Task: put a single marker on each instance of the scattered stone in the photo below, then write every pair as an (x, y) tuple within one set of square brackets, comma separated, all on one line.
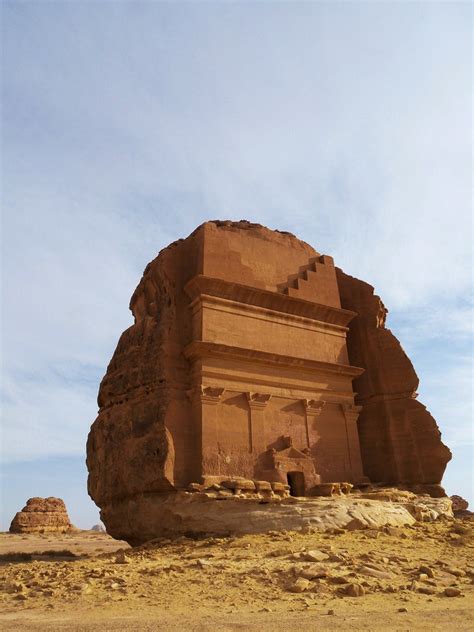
[(372, 572), (202, 563), (121, 558), (300, 585), (427, 590), (315, 556), (403, 610), (333, 557), (338, 579), (372, 533), (457, 572), (355, 590), (426, 570), (313, 572), (452, 592)]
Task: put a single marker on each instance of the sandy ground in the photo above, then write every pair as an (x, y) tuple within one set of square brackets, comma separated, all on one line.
[(245, 583)]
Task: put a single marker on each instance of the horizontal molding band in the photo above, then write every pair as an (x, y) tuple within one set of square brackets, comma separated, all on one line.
[(199, 349), (275, 301)]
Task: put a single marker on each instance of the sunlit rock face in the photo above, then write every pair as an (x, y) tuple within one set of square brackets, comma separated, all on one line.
[(257, 366), (42, 515)]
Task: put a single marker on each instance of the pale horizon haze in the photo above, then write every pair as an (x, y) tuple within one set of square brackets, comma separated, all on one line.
[(125, 125)]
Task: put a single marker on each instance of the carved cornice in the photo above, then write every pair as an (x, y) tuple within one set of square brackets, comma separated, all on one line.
[(248, 295), (199, 349)]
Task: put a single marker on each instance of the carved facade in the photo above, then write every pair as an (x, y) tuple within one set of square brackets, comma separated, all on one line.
[(269, 364)]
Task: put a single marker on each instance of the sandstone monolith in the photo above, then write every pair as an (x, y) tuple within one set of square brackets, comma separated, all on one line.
[(42, 515), (254, 369)]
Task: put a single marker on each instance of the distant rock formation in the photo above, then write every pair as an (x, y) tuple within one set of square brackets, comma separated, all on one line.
[(42, 515), (252, 356), (459, 504), (99, 528)]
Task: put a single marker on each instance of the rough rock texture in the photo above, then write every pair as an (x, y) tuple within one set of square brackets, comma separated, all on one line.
[(240, 363), (186, 513), (42, 515), (399, 439), (459, 504)]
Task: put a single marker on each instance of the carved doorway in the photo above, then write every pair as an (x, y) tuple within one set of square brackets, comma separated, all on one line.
[(296, 483)]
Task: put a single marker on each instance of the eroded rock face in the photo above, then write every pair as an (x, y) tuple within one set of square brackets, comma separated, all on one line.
[(459, 504), (253, 357), (400, 441), (184, 513), (42, 515)]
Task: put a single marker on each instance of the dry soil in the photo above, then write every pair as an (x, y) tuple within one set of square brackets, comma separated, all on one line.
[(385, 579)]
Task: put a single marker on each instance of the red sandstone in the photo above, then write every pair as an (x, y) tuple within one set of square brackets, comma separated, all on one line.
[(253, 356), (42, 515)]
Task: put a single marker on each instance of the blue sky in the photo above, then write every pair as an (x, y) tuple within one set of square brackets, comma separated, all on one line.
[(127, 124)]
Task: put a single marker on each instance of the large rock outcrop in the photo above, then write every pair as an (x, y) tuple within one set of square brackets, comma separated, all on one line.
[(240, 363), (42, 515), (399, 439)]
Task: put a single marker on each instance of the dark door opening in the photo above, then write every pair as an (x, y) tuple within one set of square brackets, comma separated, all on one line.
[(296, 483)]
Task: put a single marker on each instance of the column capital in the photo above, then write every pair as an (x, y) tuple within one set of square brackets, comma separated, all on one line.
[(351, 411), (313, 406), (257, 400), (206, 394)]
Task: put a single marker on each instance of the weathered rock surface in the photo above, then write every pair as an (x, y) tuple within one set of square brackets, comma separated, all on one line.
[(399, 439), (459, 504), (42, 515), (253, 358), (201, 513)]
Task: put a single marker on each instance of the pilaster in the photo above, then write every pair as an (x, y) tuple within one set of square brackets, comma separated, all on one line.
[(313, 408), (351, 414), (257, 403)]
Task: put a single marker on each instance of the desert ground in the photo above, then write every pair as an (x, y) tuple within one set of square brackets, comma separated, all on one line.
[(409, 578)]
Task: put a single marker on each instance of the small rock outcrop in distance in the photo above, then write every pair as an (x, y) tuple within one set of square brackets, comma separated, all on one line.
[(42, 515), (99, 528), (459, 504), (255, 365)]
